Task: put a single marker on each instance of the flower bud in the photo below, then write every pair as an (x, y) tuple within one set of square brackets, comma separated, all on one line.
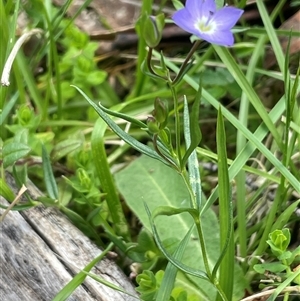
[(160, 111), (153, 125), (152, 29)]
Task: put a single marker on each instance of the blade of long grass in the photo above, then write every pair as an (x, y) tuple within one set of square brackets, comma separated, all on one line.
[(241, 79), (226, 278), (106, 180), (8, 108), (253, 138), (80, 277), (240, 143), (109, 284), (265, 16), (30, 82), (49, 178), (285, 284), (168, 281), (53, 64)]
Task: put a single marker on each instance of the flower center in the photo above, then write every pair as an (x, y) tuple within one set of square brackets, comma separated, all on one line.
[(204, 25)]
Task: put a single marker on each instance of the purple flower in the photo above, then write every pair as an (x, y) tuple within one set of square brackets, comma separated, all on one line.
[(201, 18)]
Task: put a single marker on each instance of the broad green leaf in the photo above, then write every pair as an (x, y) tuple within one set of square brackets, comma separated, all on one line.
[(147, 180), (274, 267), (14, 151), (65, 147)]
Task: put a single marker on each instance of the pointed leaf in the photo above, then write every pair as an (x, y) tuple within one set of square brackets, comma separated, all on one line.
[(122, 134), (49, 178)]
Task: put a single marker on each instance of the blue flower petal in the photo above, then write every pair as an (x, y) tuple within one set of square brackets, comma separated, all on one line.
[(226, 17), (222, 38), (195, 8), (184, 20), (208, 8), (200, 17)]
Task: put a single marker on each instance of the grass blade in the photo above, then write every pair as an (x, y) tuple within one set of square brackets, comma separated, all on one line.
[(225, 215), (49, 178), (106, 180)]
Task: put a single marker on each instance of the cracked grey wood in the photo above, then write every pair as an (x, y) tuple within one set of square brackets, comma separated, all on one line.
[(30, 268)]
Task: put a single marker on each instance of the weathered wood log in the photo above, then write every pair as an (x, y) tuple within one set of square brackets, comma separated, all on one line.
[(41, 251)]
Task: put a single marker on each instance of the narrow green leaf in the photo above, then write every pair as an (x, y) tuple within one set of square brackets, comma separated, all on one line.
[(254, 138), (192, 131), (174, 261), (241, 79), (21, 207), (106, 180), (192, 135), (8, 107), (122, 134), (80, 277), (82, 224), (284, 284), (126, 117), (14, 151), (49, 178), (284, 217), (6, 191), (225, 215), (168, 281), (109, 284), (265, 16)]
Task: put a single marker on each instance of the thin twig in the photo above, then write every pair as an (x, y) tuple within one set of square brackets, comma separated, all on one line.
[(15, 201), (271, 291)]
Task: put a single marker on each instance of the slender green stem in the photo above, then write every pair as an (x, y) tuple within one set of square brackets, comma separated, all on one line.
[(140, 77), (149, 57), (185, 178), (177, 123), (198, 225), (155, 145), (183, 66), (149, 65), (220, 291), (286, 296), (203, 247)]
